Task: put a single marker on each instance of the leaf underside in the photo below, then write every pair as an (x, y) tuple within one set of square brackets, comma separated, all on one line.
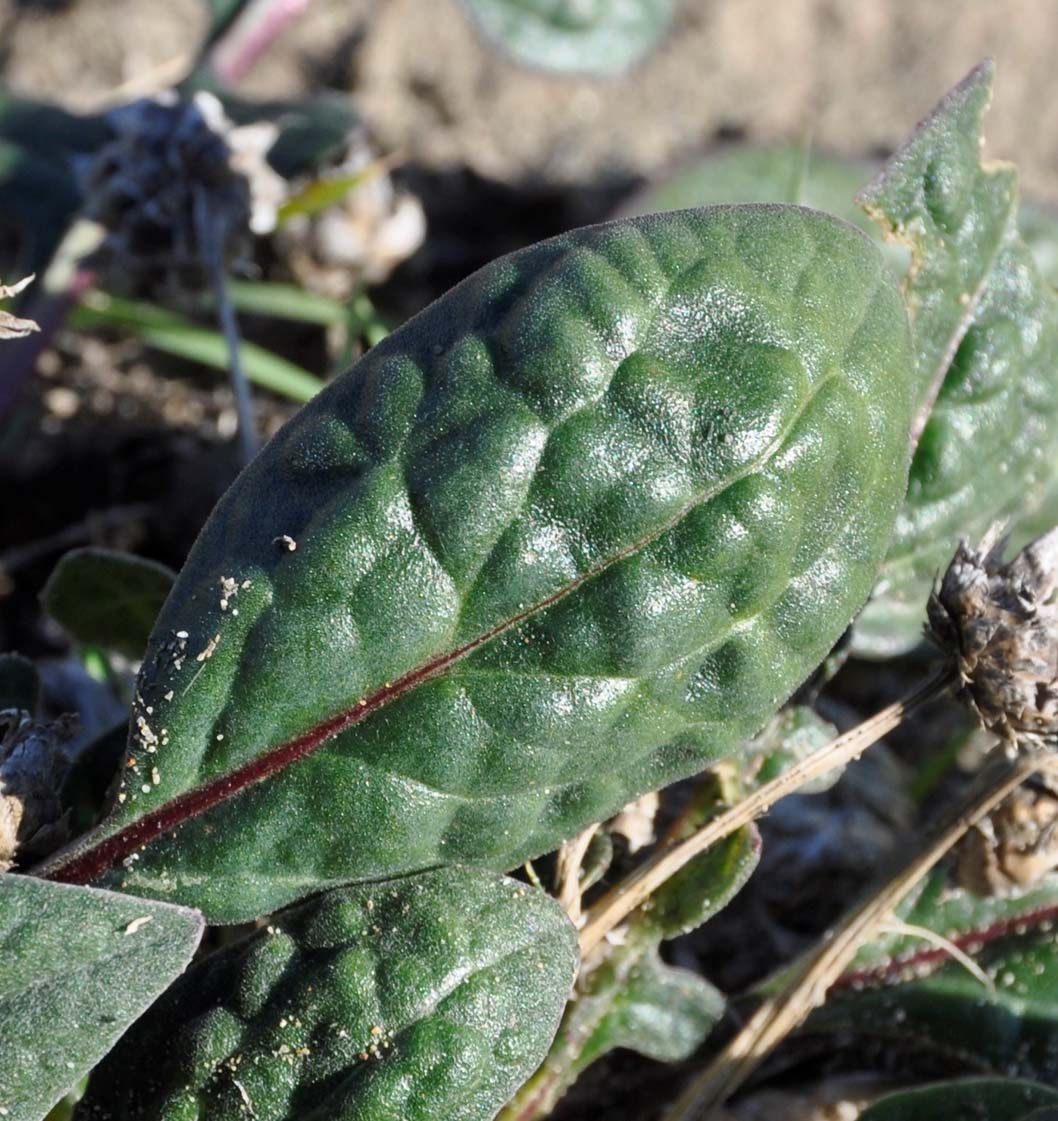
[(429, 997), (570, 534), (77, 966)]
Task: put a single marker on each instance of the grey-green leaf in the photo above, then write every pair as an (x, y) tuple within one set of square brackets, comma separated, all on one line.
[(595, 37), (572, 533), (77, 966), (109, 599), (423, 998), (970, 1099), (986, 337)]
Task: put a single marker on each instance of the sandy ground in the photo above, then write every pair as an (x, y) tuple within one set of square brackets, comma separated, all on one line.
[(858, 75)]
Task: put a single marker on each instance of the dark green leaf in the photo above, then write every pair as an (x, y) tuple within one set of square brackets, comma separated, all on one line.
[(109, 599), (39, 194), (19, 683), (570, 534), (951, 1012), (78, 966), (596, 37), (973, 1099), (986, 339), (426, 998)]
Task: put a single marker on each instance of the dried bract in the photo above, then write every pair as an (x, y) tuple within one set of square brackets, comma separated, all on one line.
[(999, 623), (360, 239), (32, 767), (1012, 848), (10, 326), (168, 159)]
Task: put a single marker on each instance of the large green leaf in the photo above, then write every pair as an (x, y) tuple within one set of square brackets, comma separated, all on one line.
[(572, 533), (986, 339), (596, 37), (968, 1100), (110, 599), (77, 966), (423, 998)]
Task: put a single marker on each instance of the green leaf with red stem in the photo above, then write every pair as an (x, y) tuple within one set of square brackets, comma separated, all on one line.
[(573, 532)]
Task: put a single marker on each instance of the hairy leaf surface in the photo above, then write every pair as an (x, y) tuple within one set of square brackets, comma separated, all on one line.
[(427, 997), (78, 966), (986, 338), (573, 532)]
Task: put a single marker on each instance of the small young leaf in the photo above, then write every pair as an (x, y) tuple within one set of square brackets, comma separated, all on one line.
[(79, 965), (103, 598), (568, 535), (661, 1011), (597, 37), (971, 1099), (424, 998), (986, 336)]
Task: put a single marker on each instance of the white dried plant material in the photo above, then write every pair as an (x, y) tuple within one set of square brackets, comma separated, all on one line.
[(999, 623), (636, 821), (360, 239), (11, 327), (168, 158), (1012, 848), (32, 767)]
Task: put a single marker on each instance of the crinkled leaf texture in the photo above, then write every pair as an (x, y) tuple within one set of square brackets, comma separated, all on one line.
[(427, 997), (570, 534), (998, 1099), (595, 37), (986, 338), (77, 966)]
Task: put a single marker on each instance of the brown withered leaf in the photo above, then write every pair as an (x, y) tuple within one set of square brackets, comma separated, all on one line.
[(999, 623), (12, 327)]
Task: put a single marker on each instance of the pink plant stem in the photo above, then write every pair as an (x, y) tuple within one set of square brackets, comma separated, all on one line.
[(255, 29)]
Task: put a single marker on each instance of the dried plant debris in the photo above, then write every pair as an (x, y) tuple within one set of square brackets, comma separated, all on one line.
[(362, 236), (999, 623), (12, 327), (32, 765), (1012, 848), (169, 157)]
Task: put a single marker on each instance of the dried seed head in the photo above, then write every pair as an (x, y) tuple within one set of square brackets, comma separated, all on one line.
[(168, 158), (10, 326), (999, 623), (32, 767), (1014, 847)]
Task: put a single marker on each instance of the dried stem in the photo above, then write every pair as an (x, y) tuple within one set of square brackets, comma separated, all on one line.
[(567, 872), (212, 237), (630, 893), (821, 966)]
